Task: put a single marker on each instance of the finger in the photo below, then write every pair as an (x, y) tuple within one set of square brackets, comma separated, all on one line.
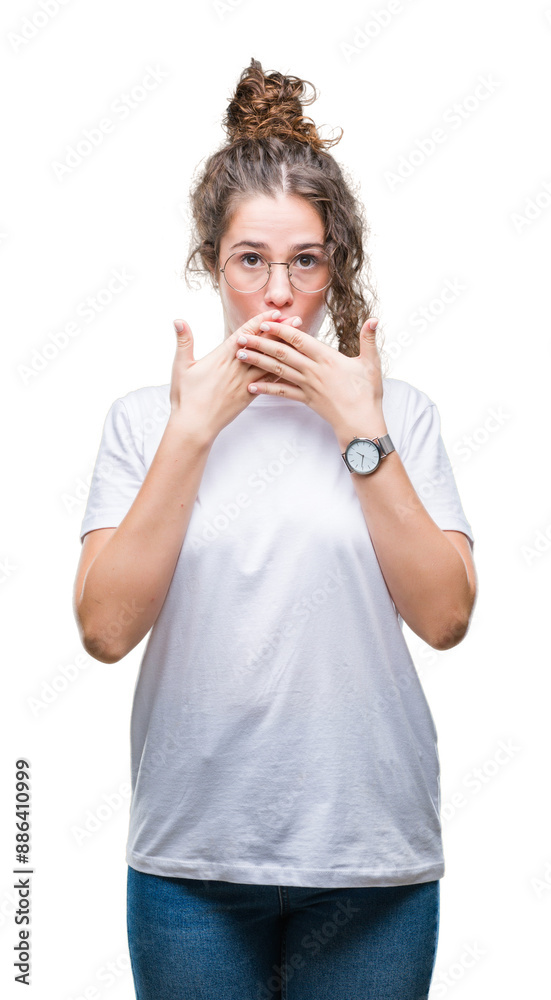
[(290, 362), (254, 372), (184, 345), (294, 321), (276, 387), (184, 336), (252, 325), (368, 330), (297, 340), (270, 367)]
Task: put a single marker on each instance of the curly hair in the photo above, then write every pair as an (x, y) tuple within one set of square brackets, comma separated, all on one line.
[(273, 148)]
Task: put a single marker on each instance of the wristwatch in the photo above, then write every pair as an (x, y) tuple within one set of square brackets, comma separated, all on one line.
[(363, 455)]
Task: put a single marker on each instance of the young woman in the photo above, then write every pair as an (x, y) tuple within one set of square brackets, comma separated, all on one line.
[(285, 836)]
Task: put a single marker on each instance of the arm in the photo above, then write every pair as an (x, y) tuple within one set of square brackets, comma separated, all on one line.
[(119, 595), (430, 575), (124, 573), (431, 581)]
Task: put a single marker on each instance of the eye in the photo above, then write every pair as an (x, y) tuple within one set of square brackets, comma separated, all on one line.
[(299, 261), (245, 259)]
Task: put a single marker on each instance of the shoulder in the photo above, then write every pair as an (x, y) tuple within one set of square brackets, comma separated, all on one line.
[(140, 418), (403, 403), (146, 402)]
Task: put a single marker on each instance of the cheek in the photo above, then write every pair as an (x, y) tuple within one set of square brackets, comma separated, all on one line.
[(312, 317)]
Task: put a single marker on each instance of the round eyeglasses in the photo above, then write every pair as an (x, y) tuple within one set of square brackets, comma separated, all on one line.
[(249, 271)]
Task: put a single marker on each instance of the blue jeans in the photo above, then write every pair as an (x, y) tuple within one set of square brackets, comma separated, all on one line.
[(191, 939)]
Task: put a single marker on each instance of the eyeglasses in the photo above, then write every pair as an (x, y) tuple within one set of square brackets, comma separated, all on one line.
[(249, 271)]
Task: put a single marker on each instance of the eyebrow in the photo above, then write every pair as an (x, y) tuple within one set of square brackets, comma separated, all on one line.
[(264, 246)]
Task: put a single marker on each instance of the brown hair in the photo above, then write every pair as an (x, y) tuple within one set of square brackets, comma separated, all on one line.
[(274, 148)]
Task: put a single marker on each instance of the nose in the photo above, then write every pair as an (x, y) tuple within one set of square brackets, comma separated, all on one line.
[(279, 290)]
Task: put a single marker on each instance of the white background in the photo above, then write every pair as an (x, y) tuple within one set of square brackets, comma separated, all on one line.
[(476, 213)]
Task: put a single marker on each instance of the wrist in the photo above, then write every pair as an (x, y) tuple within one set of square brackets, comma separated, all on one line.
[(365, 427), (184, 427)]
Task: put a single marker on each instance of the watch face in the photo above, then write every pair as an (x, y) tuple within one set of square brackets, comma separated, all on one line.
[(363, 456)]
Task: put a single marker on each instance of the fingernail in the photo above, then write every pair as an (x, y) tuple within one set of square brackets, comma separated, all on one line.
[(276, 313), (373, 323), (178, 325), (296, 321), (264, 326)]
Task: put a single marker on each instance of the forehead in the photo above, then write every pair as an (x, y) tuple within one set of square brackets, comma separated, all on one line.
[(285, 218)]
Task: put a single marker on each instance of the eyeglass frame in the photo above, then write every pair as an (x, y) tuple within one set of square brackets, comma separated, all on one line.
[(287, 265)]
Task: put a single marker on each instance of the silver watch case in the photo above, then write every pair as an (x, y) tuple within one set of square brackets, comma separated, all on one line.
[(372, 449)]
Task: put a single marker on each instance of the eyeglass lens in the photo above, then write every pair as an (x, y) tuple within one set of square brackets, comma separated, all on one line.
[(249, 271)]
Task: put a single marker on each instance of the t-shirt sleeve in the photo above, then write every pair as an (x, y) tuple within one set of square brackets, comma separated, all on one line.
[(118, 473), (427, 464)]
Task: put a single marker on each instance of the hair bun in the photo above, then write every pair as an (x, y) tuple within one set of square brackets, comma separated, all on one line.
[(271, 105)]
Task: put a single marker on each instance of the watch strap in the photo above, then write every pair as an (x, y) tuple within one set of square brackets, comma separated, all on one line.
[(384, 444)]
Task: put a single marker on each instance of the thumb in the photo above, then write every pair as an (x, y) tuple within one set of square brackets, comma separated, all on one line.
[(184, 336), (368, 333), (369, 328)]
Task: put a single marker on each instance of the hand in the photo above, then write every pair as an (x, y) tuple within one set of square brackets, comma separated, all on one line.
[(209, 393), (344, 391)]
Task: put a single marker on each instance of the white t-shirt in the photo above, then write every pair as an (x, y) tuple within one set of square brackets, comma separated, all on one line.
[(279, 733)]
